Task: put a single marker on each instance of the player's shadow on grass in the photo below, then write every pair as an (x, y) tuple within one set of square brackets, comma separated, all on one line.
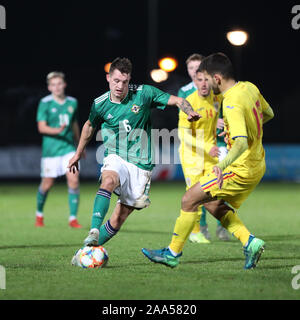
[(213, 260), (26, 246), (145, 231), (271, 267), (279, 237), (263, 266), (282, 265)]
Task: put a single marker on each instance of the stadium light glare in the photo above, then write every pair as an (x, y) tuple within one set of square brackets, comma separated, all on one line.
[(159, 75), (167, 64), (107, 67), (237, 37)]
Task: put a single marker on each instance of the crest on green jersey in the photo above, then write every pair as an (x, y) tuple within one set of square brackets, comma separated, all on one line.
[(70, 109), (135, 108)]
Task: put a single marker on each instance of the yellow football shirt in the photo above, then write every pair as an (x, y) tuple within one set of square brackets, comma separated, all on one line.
[(204, 129), (243, 107)]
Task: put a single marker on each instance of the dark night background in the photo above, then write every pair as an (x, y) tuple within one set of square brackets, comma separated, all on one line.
[(80, 37)]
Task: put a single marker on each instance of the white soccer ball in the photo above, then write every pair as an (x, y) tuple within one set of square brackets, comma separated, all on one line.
[(92, 257)]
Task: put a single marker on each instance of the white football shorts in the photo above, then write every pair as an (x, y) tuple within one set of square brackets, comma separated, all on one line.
[(134, 181), (53, 167)]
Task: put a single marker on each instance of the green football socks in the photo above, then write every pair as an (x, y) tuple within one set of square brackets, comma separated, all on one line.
[(41, 199), (203, 218), (106, 233), (101, 206), (73, 201)]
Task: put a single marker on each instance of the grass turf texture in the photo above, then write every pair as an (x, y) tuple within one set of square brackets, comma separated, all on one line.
[(37, 260)]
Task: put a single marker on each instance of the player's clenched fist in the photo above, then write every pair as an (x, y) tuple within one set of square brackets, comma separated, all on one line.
[(193, 116)]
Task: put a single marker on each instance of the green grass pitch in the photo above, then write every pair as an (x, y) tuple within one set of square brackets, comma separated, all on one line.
[(37, 260)]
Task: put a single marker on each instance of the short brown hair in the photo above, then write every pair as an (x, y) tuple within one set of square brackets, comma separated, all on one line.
[(55, 74), (122, 64), (194, 57), (218, 63)]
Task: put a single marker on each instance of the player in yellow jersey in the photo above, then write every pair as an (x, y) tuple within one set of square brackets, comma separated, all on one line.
[(232, 180), (193, 162), (198, 151)]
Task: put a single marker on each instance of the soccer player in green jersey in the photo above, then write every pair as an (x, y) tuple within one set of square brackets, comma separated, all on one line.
[(200, 233), (124, 114), (57, 122), (192, 65)]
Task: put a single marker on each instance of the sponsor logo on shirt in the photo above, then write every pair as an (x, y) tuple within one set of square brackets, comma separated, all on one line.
[(53, 110), (109, 116), (135, 109)]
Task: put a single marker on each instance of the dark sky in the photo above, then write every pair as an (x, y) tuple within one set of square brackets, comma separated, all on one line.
[(79, 37)]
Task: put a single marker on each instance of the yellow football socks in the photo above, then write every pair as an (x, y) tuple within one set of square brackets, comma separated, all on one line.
[(196, 228), (183, 227), (235, 226)]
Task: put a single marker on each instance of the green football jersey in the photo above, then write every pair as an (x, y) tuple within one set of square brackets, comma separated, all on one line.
[(55, 115), (126, 126), (186, 90)]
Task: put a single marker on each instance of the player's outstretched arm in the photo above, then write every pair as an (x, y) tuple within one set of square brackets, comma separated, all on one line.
[(45, 129), (76, 135), (76, 131), (185, 106), (86, 135), (240, 146)]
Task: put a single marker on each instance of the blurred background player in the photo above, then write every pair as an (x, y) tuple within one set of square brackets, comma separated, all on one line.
[(123, 112), (233, 179), (192, 65), (57, 122), (202, 99)]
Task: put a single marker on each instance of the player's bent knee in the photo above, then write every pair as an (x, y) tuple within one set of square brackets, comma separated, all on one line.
[(194, 197), (217, 208), (109, 182), (188, 203)]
